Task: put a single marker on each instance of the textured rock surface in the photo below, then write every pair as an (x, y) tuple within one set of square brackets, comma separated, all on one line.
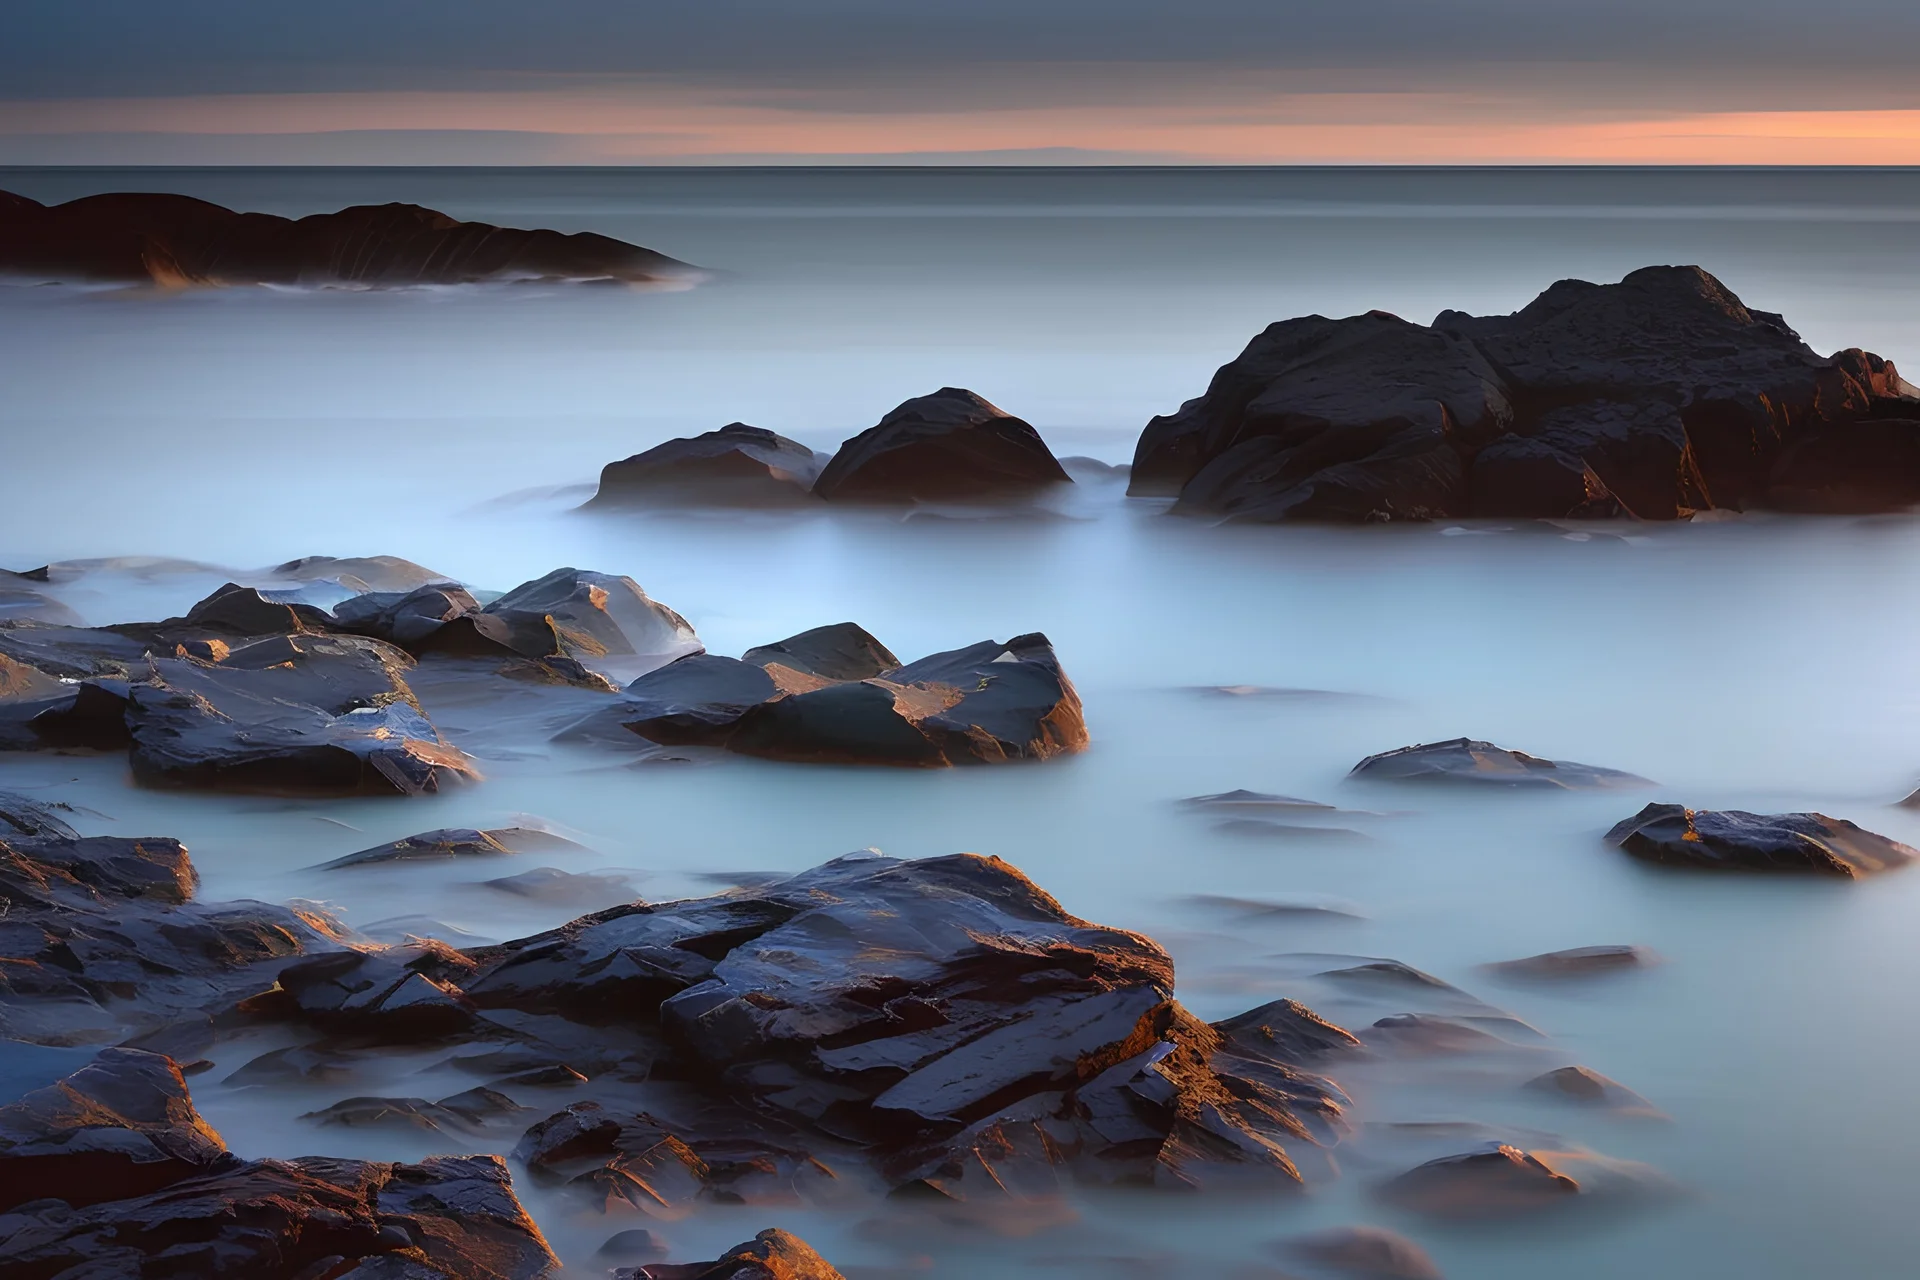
[(951, 446), (1734, 840), (737, 465), (1464, 760), (1655, 397), (453, 842), (1496, 1182), (173, 240), (571, 613), (771, 1255)]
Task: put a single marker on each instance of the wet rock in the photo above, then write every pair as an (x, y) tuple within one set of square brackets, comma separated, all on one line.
[(632, 1245), (1420, 1034), (453, 842), (124, 1125), (451, 1217), (951, 446), (737, 465), (697, 700), (1588, 1088), (42, 713), (234, 610), (838, 651), (23, 816), (1734, 840), (1655, 397), (73, 653), (1288, 1031), (570, 613), (987, 703), (414, 928), (463, 1113), (296, 1064), (1499, 1181), (771, 1255), (360, 573), (1364, 1253), (329, 715), (175, 241), (565, 888), (387, 996), (1464, 760), (1575, 962), (406, 618)]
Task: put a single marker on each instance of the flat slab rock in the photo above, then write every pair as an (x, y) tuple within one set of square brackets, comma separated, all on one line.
[(1734, 840), (1466, 760)]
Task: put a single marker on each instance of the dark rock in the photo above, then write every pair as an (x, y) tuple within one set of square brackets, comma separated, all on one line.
[(697, 700), (1589, 1088), (1286, 1030), (771, 1255), (392, 1113), (570, 888), (22, 816), (361, 573), (292, 714), (1733, 840), (446, 1218), (737, 465), (174, 240), (627, 1246), (235, 610), (1654, 397), (72, 652), (1420, 1034), (296, 1064), (1256, 801), (389, 996), (21, 601), (839, 651), (480, 1105), (1575, 962), (406, 618), (1256, 908), (987, 703), (121, 1126), (1499, 1181), (1365, 1253), (1463, 760), (945, 447), (570, 613), (453, 842), (47, 714), (416, 928), (1083, 468), (553, 1077)]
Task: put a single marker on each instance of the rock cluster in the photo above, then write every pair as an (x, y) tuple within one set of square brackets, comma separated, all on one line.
[(178, 241), (1654, 398)]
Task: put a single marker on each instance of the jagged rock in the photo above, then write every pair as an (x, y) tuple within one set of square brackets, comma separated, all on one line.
[(948, 446), (446, 1218), (388, 996), (1575, 962), (1654, 397), (1286, 1030), (22, 816), (175, 241), (771, 1255), (1499, 1181), (1734, 840), (1463, 760), (101, 939), (463, 1113), (838, 651), (1589, 1088), (124, 1125), (294, 713), (1364, 1253), (737, 465), (40, 713), (235, 610), (987, 703), (569, 613), (406, 618), (453, 842), (74, 653)]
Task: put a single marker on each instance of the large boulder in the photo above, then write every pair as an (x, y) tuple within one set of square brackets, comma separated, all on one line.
[(299, 714), (1467, 761), (1655, 397), (951, 446), (737, 465), (175, 241), (1733, 840)]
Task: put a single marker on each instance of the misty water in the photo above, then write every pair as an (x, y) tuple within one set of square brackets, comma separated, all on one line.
[(1751, 662)]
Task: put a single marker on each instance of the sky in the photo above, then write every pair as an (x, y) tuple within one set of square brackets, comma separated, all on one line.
[(959, 81)]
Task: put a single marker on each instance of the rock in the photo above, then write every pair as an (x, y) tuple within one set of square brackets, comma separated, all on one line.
[(1575, 962), (451, 1217), (737, 465), (627, 1246), (21, 816), (22, 601), (1589, 1088), (1420, 1034), (697, 700), (839, 651), (406, 618), (771, 1255), (1085, 469), (331, 715), (1463, 760), (1258, 908), (175, 241), (570, 613), (1254, 801), (42, 713), (234, 610), (568, 888), (1267, 829), (453, 842), (124, 1125), (1734, 840), (1365, 1253), (1286, 1030), (72, 652), (951, 446), (399, 930), (361, 574), (392, 995), (987, 703), (1655, 397), (463, 1113), (1497, 1182), (296, 1064)]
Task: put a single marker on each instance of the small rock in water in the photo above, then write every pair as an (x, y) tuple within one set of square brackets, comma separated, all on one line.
[(1258, 907), (1575, 962), (1464, 760), (951, 446), (1364, 1253), (1497, 1182), (632, 1245), (736, 466), (452, 842), (571, 888), (1262, 827), (1256, 801), (1589, 1088), (1733, 840)]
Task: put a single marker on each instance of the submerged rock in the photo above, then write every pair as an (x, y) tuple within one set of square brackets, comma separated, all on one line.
[(570, 613), (1464, 760), (1575, 962), (21, 816), (1656, 397), (951, 446), (1500, 1181), (1364, 1253), (771, 1255), (453, 842), (175, 241), (737, 465), (1734, 840), (1588, 1088)]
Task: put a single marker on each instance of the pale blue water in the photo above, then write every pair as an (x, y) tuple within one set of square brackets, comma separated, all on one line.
[(1758, 663)]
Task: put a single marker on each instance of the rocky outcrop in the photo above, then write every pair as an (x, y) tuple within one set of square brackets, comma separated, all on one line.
[(1466, 761), (951, 446), (771, 1255), (1734, 840), (176, 241), (737, 465), (837, 695), (1655, 397)]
